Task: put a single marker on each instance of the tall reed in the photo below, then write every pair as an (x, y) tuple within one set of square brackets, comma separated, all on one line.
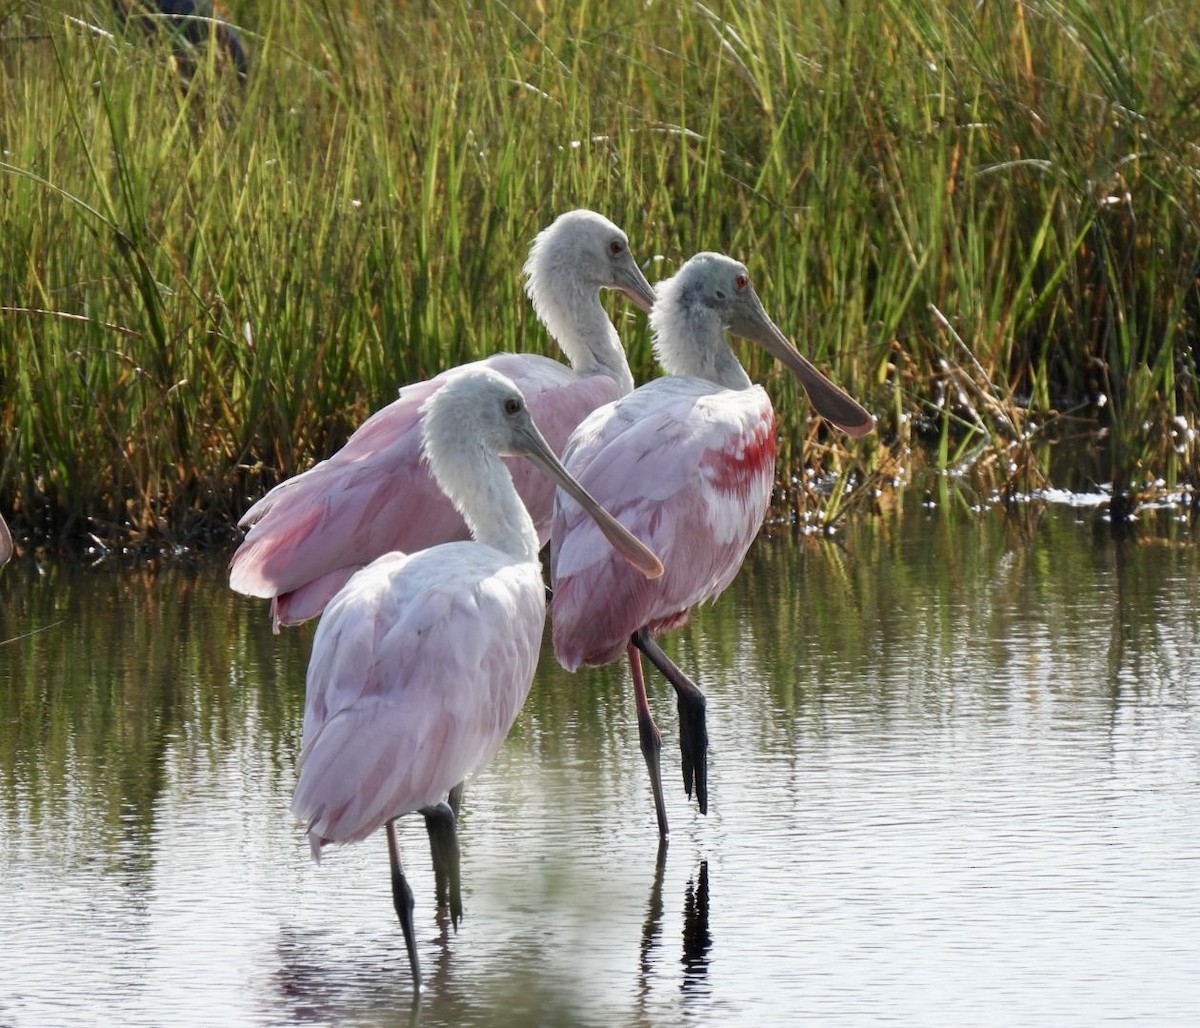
[(982, 219)]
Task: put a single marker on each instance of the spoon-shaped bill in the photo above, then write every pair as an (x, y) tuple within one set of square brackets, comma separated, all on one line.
[(830, 401), (6, 543), (529, 443)]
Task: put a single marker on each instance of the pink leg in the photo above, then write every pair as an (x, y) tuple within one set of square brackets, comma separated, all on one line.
[(402, 897), (649, 737), (693, 728)]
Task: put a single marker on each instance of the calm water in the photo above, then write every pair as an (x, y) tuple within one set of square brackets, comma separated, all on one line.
[(955, 779)]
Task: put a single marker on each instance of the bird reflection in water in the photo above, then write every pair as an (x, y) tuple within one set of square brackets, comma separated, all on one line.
[(697, 939), (652, 926), (326, 979)]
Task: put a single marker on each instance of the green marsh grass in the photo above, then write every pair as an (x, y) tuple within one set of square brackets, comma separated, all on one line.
[(981, 219)]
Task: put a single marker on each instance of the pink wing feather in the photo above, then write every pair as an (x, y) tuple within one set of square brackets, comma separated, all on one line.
[(308, 535), (688, 469), (419, 669)]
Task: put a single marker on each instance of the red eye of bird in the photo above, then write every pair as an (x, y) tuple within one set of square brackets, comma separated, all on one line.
[(615, 247), (741, 282), (511, 406)]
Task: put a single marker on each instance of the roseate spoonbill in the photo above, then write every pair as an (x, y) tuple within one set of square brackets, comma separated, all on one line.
[(687, 463), (422, 661), (308, 535)]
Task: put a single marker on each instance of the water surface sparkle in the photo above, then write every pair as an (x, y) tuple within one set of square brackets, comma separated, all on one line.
[(955, 779)]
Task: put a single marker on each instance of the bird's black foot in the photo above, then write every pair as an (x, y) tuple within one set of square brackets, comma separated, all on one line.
[(693, 721), (441, 825), (693, 745)]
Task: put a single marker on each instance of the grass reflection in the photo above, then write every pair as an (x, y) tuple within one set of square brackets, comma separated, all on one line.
[(932, 611), (137, 671), (120, 685)]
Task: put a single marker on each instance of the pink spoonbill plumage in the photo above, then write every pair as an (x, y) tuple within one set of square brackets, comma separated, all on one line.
[(308, 535), (687, 463), (6, 543), (421, 663)]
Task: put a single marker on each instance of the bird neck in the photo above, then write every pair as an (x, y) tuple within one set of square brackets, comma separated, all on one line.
[(507, 525), (482, 491), (578, 322), (690, 340)]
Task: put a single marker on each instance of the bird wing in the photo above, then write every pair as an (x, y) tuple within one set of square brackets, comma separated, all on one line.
[(419, 668), (375, 495), (688, 469)]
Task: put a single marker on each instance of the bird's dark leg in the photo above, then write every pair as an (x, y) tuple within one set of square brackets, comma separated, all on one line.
[(402, 897), (693, 729), (441, 824), (455, 798), (650, 739)]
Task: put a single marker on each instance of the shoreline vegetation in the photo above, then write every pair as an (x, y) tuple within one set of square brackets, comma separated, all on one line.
[(982, 220)]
